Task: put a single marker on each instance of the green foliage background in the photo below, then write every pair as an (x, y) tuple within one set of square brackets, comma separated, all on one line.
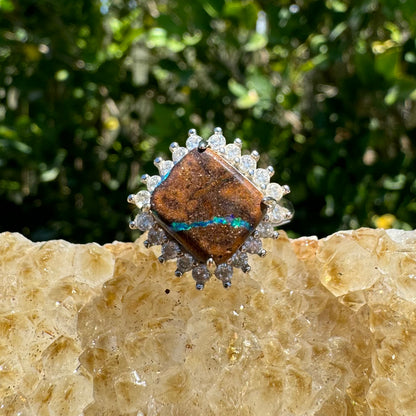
[(91, 92)]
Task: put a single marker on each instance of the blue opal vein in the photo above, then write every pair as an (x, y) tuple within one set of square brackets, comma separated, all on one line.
[(230, 220)]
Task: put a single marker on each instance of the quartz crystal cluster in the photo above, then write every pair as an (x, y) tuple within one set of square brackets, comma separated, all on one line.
[(210, 206), (318, 328)]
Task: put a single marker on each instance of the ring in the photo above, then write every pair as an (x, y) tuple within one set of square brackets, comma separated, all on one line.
[(209, 207)]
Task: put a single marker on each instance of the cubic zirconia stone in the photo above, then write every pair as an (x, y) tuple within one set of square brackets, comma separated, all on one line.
[(265, 230), (170, 250), (201, 275), (179, 153), (261, 177), (156, 236), (144, 221), (141, 199), (185, 263), (193, 141), (247, 163), (252, 245), (232, 152), (165, 167), (239, 259), (153, 182), (275, 191), (277, 214), (216, 141), (224, 272)]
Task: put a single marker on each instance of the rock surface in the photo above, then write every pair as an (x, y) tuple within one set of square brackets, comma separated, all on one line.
[(317, 328)]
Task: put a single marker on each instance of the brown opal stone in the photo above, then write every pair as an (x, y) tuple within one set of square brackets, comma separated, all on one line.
[(207, 206)]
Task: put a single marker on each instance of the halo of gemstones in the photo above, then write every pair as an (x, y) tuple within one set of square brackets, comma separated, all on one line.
[(278, 210)]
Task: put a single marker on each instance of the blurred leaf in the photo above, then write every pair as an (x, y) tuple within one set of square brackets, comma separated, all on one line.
[(10, 145), (236, 88), (336, 5), (256, 42), (248, 100), (6, 5), (245, 12), (49, 175), (157, 37), (387, 62)]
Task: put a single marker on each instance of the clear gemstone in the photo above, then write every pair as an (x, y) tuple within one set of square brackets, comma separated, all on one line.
[(275, 191), (144, 221), (277, 214), (239, 259), (216, 141), (265, 230), (224, 272), (156, 236), (142, 198), (170, 250), (252, 245), (261, 177), (200, 274), (193, 141), (185, 263), (247, 163), (152, 182), (178, 154), (232, 152), (165, 167), (281, 213)]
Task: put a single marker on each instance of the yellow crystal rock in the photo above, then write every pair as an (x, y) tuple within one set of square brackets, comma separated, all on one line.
[(320, 328)]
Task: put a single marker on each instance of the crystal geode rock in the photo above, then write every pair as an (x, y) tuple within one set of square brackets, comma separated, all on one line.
[(317, 328)]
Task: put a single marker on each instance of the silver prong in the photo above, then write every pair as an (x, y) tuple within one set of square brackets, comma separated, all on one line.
[(286, 189), (191, 132), (251, 172), (144, 178), (157, 161), (262, 252), (238, 142), (199, 286), (270, 169), (161, 259), (255, 155), (237, 161), (211, 265), (218, 130), (147, 244), (202, 145), (226, 284), (132, 225), (256, 234), (178, 273), (173, 146), (130, 199), (246, 268), (275, 235)]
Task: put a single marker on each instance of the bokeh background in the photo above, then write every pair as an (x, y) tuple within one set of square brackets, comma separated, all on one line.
[(92, 91)]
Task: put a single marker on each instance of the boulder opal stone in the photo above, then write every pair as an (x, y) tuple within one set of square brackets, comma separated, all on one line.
[(207, 206)]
